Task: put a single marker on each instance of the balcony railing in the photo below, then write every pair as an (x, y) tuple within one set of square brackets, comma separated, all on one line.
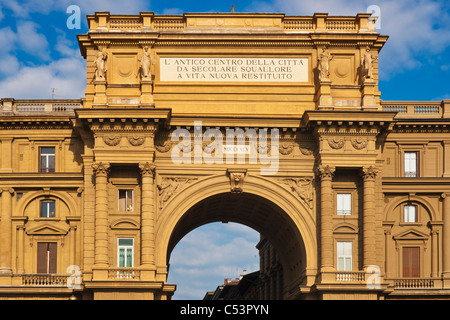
[(414, 283), (125, 274), (416, 109), (35, 106), (44, 280), (351, 276)]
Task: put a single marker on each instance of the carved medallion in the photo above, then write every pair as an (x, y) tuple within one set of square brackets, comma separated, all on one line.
[(286, 147)]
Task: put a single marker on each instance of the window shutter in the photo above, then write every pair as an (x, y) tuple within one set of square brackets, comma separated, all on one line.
[(42, 257), (411, 267)]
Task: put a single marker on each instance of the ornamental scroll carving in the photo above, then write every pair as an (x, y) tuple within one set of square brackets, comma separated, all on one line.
[(302, 187), (336, 143), (170, 186)]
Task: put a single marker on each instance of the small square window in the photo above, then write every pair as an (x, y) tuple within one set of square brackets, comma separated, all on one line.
[(410, 213), (47, 209), (344, 204), (126, 200)]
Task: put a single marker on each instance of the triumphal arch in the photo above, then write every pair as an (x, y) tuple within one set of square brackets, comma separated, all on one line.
[(268, 120)]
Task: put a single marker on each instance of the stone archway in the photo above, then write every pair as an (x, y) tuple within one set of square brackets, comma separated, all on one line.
[(263, 205)]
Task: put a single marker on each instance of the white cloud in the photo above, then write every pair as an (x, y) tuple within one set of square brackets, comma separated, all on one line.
[(66, 75), (31, 41)]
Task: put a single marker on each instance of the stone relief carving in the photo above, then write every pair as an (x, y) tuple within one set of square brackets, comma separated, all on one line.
[(359, 143), (336, 143), (302, 187), (170, 186), (136, 141), (162, 142), (286, 147), (111, 140), (236, 179), (307, 148)]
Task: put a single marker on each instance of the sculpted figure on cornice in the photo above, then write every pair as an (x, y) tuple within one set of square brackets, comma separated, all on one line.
[(324, 65), (100, 66), (146, 64)]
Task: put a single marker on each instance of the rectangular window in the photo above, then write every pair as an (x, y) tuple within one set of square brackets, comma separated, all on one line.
[(344, 204), (47, 209), (46, 159), (46, 257), (411, 262), (410, 213), (125, 252), (411, 164), (126, 200), (344, 256)]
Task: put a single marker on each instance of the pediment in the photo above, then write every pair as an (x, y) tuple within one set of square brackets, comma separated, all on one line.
[(46, 230), (125, 224), (411, 234)]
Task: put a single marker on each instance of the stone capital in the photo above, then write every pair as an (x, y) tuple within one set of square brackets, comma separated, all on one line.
[(101, 168), (325, 172), (147, 168), (369, 173)]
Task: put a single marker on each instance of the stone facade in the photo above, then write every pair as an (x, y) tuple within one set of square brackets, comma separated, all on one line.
[(351, 192)]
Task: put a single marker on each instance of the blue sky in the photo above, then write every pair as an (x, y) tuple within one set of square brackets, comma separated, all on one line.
[(38, 53)]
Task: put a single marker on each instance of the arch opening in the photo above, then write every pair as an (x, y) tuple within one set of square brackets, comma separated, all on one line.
[(258, 213)]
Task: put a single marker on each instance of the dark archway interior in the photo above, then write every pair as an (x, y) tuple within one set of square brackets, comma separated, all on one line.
[(257, 213)]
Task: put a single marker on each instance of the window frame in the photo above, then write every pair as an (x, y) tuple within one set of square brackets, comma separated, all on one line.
[(48, 215), (343, 212), (416, 213), (47, 169), (126, 200), (125, 247), (408, 174), (344, 256)]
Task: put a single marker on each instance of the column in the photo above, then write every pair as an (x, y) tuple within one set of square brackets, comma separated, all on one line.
[(369, 232), (446, 240), (5, 232), (101, 171), (147, 215), (325, 174), (434, 253)]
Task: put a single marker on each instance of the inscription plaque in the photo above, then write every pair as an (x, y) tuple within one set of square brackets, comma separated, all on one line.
[(234, 69)]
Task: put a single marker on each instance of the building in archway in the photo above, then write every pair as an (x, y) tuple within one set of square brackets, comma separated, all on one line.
[(267, 120)]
